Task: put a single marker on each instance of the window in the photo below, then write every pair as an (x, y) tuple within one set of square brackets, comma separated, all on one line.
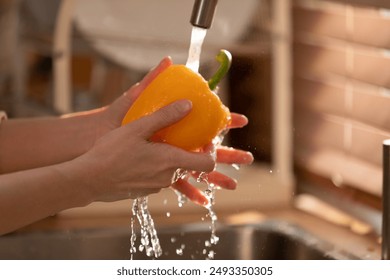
[(341, 53)]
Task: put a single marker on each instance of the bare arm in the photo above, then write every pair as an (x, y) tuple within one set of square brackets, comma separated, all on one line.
[(122, 164), (28, 196), (59, 163), (31, 143)]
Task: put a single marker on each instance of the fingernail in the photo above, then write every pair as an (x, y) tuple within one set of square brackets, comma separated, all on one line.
[(232, 185), (248, 157), (203, 201), (166, 60), (184, 105)]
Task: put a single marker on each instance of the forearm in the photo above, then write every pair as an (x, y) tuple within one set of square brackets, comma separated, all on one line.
[(28, 196), (37, 142)]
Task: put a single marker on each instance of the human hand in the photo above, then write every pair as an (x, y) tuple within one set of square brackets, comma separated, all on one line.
[(110, 117), (125, 164), (224, 155)]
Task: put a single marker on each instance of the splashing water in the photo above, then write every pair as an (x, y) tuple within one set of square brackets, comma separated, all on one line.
[(211, 255), (211, 213), (197, 38), (133, 238), (210, 195), (148, 238), (181, 174), (236, 166), (180, 251)]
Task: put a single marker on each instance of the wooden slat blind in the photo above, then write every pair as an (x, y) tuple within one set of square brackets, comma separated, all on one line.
[(341, 53)]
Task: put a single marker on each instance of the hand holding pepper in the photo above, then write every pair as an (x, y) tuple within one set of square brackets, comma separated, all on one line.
[(224, 154)]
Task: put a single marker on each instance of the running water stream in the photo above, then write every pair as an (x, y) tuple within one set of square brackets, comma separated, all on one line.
[(148, 238), (197, 38)]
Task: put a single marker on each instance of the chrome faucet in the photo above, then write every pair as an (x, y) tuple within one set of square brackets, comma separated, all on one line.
[(203, 13), (386, 201)]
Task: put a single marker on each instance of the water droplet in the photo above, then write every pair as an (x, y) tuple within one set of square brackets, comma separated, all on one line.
[(149, 252), (214, 239), (173, 239), (236, 166), (168, 214), (202, 178), (211, 255), (179, 252), (181, 199)]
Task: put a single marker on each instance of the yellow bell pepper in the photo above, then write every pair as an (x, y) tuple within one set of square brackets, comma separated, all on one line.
[(206, 120)]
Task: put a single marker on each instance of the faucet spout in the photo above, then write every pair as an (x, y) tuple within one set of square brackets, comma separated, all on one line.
[(203, 13), (386, 201)]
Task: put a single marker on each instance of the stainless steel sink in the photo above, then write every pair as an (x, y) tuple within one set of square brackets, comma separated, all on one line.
[(274, 240)]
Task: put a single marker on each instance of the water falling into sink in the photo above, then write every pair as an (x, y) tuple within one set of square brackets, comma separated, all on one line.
[(149, 239)]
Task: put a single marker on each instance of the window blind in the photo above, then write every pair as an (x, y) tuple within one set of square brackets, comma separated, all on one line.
[(341, 54)]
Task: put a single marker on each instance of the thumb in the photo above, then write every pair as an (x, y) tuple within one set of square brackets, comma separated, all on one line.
[(164, 117)]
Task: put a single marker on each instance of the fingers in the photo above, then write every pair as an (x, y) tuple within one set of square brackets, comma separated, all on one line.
[(238, 121), (164, 64), (196, 195), (135, 91), (191, 192), (174, 157), (201, 162), (233, 156), (166, 116), (219, 179), (123, 103)]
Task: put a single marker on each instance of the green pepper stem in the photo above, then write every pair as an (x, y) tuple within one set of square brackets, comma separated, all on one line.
[(225, 59)]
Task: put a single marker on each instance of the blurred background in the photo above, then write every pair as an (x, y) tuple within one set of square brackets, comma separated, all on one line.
[(111, 46), (312, 76)]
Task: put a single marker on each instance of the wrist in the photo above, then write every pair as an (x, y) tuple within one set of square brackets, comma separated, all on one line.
[(90, 126), (78, 181)]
